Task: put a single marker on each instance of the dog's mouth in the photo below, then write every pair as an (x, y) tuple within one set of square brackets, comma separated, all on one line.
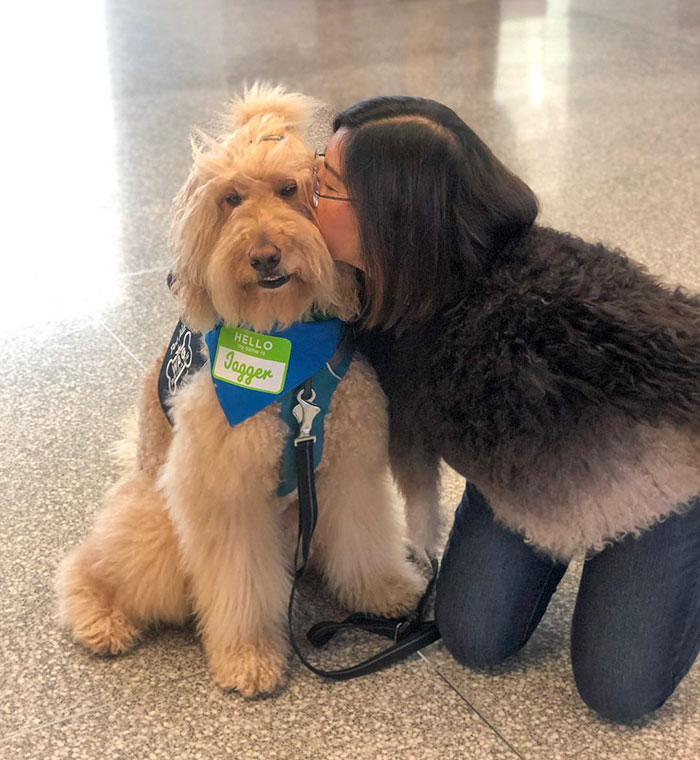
[(273, 281)]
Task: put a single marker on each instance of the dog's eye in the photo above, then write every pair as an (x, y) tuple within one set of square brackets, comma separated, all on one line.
[(288, 190), (234, 200)]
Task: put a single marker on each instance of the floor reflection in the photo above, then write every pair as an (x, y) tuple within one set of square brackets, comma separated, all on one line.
[(62, 246)]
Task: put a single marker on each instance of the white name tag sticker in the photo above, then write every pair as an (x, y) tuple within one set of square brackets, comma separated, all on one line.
[(251, 360)]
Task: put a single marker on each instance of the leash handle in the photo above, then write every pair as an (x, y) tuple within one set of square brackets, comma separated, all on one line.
[(420, 637)]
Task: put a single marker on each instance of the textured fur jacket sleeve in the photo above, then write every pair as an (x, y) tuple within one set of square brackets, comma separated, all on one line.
[(565, 384)]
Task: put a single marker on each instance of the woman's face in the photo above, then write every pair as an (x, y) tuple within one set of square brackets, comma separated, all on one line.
[(336, 218)]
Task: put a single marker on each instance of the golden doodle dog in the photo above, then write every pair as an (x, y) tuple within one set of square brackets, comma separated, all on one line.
[(195, 525)]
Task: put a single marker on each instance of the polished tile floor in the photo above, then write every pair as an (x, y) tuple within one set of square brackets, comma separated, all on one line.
[(595, 103)]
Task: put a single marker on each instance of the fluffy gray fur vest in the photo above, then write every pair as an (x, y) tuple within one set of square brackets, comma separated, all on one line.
[(565, 384)]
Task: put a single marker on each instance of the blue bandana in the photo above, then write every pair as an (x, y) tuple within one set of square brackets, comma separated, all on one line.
[(251, 370)]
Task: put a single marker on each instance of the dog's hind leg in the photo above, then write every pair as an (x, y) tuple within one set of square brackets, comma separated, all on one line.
[(126, 574)]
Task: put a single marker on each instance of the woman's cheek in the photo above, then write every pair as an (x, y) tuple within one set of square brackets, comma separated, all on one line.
[(327, 228)]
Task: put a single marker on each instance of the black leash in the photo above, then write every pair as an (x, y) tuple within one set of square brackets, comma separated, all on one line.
[(409, 633)]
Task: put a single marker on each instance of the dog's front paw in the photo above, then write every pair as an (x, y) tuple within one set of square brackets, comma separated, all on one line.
[(250, 669), (389, 595)]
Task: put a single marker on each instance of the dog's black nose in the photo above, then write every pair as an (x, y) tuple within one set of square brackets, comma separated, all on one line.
[(265, 258)]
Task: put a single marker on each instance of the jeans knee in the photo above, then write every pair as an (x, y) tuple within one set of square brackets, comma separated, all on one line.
[(470, 644), (616, 698)]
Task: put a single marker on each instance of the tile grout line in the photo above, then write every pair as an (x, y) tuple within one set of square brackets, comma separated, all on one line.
[(124, 346), (81, 714), (65, 719), (471, 706)]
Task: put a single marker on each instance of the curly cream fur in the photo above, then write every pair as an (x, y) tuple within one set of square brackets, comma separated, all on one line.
[(194, 525)]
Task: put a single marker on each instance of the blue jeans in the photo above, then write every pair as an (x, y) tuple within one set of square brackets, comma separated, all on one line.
[(636, 625)]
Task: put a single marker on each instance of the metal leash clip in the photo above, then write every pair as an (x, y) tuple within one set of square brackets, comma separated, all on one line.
[(304, 413)]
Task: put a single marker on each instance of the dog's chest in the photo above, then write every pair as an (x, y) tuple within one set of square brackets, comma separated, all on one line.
[(249, 452)]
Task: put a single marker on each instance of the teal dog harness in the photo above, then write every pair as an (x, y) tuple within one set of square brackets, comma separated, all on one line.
[(323, 383)]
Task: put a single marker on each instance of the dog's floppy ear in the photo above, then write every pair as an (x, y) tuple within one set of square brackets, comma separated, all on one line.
[(194, 228), (293, 109)]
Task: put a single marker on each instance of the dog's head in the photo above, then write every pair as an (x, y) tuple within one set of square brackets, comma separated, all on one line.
[(243, 240)]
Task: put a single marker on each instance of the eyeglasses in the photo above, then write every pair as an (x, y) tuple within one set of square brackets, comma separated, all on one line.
[(316, 186)]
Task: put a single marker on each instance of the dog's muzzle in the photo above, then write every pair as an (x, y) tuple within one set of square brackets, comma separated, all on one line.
[(265, 260)]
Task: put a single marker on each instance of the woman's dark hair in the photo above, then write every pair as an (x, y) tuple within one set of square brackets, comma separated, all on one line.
[(434, 205)]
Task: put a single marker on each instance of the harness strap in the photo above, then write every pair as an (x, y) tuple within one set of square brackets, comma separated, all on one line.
[(409, 633)]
